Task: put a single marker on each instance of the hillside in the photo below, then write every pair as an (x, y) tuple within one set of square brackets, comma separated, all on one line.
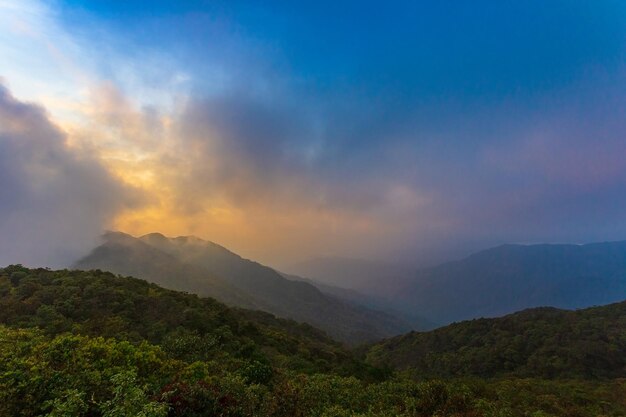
[(125, 255), (92, 344), (205, 268), (541, 342), (99, 303)]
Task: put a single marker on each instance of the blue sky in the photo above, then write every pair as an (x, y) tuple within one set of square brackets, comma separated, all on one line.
[(409, 131), (461, 49)]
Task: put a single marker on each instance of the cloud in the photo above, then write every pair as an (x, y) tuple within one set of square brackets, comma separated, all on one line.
[(54, 200), (289, 175), (394, 142), (545, 170), (254, 174)]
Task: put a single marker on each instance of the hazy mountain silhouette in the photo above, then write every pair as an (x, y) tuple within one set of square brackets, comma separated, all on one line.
[(509, 278), (205, 268), (489, 283)]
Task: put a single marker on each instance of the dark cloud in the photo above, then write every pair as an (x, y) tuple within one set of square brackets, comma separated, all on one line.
[(54, 200), (282, 152), (548, 168)]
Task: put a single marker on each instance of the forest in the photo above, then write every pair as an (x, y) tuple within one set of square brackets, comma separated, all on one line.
[(539, 342), (90, 343)]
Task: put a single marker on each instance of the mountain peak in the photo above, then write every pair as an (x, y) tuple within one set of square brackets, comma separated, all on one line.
[(112, 234), (190, 239), (154, 236), (115, 237)]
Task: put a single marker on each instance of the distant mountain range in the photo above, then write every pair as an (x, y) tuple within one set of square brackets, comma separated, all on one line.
[(207, 269), (510, 278), (361, 301), (490, 283)]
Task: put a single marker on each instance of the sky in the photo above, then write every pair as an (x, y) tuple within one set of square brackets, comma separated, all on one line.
[(404, 131)]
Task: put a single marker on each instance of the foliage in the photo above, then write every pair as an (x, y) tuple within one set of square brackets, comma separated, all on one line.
[(146, 352), (186, 326), (541, 342)]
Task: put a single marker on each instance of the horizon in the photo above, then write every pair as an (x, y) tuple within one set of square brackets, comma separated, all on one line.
[(288, 268), (411, 133)]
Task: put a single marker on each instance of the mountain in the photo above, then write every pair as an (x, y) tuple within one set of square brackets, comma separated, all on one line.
[(205, 268), (489, 283), (126, 255), (369, 301), (373, 284), (509, 278), (541, 342)]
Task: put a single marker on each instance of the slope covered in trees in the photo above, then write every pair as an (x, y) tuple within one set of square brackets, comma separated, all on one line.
[(540, 342), (98, 303), (91, 344), (205, 268)]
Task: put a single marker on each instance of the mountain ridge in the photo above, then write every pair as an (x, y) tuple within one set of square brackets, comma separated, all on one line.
[(195, 265), (491, 282), (512, 277)]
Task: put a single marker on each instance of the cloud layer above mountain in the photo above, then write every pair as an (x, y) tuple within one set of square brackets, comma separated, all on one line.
[(412, 132)]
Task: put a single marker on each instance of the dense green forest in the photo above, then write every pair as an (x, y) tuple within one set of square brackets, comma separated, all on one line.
[(189, 327), (540, 342), (91, 343)]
